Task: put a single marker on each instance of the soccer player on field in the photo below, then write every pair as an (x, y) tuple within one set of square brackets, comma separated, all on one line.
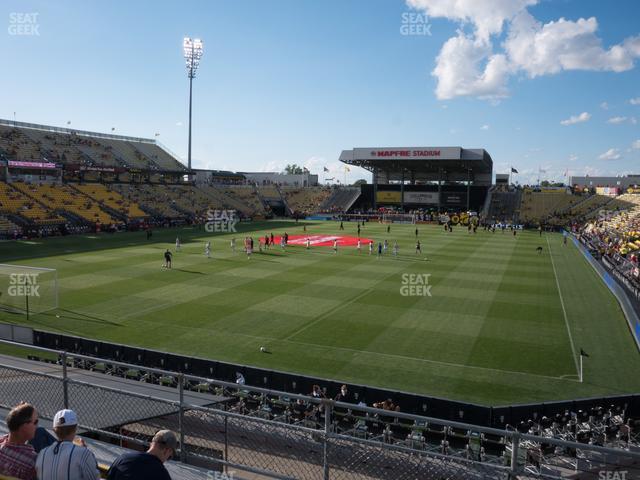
[(379, 249), (249, 247), (370, 247), (385, 247), (207, 249), (308, 242), (395, 248), (177, 244), (233, 245), (167, 259), (335, 246), (418, 247), (359, 243)]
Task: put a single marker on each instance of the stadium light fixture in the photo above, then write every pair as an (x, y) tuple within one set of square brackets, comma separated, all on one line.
[(193, 49)]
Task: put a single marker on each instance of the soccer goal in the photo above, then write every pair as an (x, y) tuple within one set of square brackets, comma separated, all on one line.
[(398, 218), (28, 290)]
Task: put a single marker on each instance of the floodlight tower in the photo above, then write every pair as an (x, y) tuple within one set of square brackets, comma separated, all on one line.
[(192, 54)]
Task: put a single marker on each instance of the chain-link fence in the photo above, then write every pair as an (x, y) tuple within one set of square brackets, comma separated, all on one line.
[(282, 435)]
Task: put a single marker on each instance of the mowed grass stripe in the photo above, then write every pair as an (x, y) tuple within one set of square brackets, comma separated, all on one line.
[(226, 325)]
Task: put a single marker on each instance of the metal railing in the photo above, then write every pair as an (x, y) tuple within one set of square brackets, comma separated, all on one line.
[(285, 435)]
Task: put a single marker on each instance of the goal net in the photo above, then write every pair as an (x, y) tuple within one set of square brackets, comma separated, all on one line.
[(398, 218), (28, 289)]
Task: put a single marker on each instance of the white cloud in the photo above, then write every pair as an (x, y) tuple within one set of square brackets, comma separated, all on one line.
[(633, 120), (178, 124), (604, 106), (543, 49), (611, 154), (573, 119), (467, 64), (484, 127), (487, 16), (635, 101), (617, 120), (573, 157), (636, 145)]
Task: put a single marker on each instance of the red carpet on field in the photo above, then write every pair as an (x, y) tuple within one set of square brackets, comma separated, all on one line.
[(321, 240)]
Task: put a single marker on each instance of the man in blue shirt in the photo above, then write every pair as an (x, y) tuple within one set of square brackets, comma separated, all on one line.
[(147, 465)]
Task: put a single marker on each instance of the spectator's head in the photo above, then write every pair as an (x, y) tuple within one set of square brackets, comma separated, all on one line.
[(65, 425), (164, 445), (22, 422)]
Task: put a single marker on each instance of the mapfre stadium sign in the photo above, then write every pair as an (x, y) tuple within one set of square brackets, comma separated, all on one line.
[(416, 153)]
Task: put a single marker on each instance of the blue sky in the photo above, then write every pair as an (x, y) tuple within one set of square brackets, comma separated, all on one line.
[(298, 81)]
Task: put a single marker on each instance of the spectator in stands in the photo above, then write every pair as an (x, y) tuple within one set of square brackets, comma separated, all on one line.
[(17, 458), (66, 459), (343, 394), (147, 465)]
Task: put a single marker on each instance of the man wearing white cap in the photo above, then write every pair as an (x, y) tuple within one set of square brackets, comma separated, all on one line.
[(147, 465), (64, 459)]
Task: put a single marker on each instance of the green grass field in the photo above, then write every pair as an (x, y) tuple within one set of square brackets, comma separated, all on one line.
[(502, 325)]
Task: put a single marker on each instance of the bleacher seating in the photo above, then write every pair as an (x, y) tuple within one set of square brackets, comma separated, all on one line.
[(590, 205), (111, 199), (63, 197), (15, 202), (246, 194), (228, 201), (538, 207), (79, 148), (7, 227), (340, 199), (148, 198), (305, 200)]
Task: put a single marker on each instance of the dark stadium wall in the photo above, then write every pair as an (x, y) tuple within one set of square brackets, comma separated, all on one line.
[(490, 416)]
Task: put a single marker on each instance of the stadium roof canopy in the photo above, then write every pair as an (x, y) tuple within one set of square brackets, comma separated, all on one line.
[(422, 163)]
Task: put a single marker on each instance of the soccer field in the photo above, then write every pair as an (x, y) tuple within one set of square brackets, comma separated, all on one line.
[(503, 324)]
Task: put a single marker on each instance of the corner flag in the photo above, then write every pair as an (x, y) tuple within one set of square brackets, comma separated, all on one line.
[(513, 170), (582, 354)]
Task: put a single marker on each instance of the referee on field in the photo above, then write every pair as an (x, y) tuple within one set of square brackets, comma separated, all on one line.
[(64, 459)]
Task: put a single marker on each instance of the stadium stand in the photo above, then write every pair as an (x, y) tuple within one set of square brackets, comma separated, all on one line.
[(64, 198), (13, 201), (503, 204), (305, 200), (614, 237), (340, 200), (246, 194), (16, 146), (227, 201), (149, 199), (589, 206), (539, 207), (7, 227), (111, 199), (71, 147)]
